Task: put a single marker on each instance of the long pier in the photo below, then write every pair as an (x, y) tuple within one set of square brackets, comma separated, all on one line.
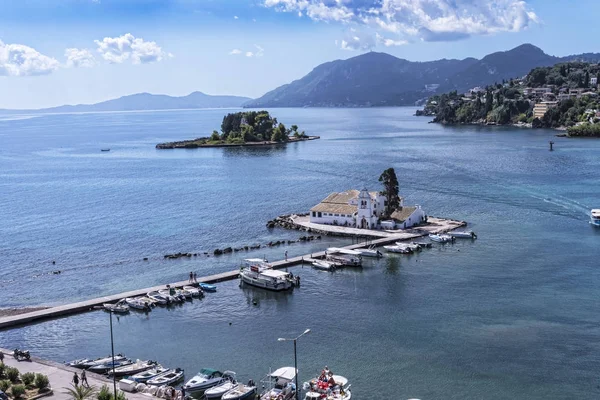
[(88, 305)]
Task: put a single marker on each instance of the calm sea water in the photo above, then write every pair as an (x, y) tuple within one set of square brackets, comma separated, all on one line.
[(511, 315)]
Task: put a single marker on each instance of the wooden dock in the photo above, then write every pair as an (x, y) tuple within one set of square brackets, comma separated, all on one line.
[(87, 305)]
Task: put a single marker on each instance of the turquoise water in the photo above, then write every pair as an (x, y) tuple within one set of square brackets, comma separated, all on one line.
[(513, 314)]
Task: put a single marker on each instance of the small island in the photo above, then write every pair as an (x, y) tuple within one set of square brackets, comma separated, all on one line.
[(564, 96), (249, 128)]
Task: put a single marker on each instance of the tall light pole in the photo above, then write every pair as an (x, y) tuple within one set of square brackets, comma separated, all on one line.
[(112, 346), (295, 358)]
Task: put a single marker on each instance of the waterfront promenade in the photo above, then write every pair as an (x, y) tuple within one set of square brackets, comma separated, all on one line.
[(436, 226), (61, 376)]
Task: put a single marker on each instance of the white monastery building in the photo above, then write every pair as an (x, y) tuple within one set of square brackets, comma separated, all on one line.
[(364, 209)]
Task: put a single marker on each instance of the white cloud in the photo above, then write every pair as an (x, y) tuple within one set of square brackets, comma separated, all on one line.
[(21, 60), (429, 20), (127, 47), (355, 39), (249, 54), (235, 17), (259, 52), (79, 58), (387, 42), (235, 52)]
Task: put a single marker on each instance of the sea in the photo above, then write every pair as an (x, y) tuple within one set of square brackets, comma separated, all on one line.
[(513, 314)]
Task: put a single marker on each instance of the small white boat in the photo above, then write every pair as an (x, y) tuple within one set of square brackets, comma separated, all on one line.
[(166, 293), (323, 265), (279, 384), (394, 248), (257, 272), (241, 392), (207, 378), (335, 388), (595, 217), (464, 235), (84, 365), (158, 298), (168, 378), (370, 251), (193, 291), (183, 294), (132, 369), (344, 257), (148, 300), (138, 304), (148, 374), (216, 392), (119, 308), (440, 238), (104, 368)]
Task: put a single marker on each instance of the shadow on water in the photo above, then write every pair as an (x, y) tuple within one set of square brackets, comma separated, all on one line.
[(255, 295), (392, 265), (254, 151)]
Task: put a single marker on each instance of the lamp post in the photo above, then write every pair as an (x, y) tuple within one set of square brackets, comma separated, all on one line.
[(112, 346), (295, 358)]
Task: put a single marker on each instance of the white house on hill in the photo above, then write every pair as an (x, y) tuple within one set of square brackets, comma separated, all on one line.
[(363, 209)]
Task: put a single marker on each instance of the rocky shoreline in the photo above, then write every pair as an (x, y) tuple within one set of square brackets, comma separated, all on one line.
[(201, 143)]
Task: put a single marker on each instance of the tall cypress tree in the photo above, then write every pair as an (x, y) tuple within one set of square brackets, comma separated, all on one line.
[(390, 190)]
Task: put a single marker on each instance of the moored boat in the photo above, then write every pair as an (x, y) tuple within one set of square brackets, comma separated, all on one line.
[(259, 273), (206, 379), (148, 374), (370, 251), (216, 392), (158, 298), (241, 392), (120, 307), (105, 367), (464, 235), (394, 248), (279, 384), (193, 291), (138, 304), (440, 238), (595, 217), (344, 257), (327, 386), (168, 378), (207, 287), (323, 265), (132, 369), (104, 360)]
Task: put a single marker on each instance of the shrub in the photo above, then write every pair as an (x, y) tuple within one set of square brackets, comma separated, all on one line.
[(41, 381), (104, 393), (28, 378), (12, 374), (2, 369), (18, 391), (4, 385)]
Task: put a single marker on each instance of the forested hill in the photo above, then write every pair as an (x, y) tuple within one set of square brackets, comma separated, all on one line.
[(380, 79)]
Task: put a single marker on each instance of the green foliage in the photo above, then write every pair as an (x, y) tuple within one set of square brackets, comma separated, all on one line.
[(106, 393), (80, 392), (41, 381), (17, 391), (252, 126), (28, 378), (4, 385), (215, 137), (584, 130), (390, 190), (2, 369), (12, 374)]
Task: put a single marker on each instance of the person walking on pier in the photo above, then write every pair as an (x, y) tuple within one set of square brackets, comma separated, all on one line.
[(75, 379), (84, 379), (195, 277), (191, 277), (286, 255)]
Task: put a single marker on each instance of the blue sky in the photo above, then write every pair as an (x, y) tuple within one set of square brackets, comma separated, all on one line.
[(55, 52)]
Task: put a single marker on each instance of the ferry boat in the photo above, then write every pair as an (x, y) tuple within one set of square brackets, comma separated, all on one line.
[(595, 217), (343, 257), (257, 272)]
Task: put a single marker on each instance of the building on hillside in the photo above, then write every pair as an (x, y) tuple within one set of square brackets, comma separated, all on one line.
[(540, 109), (363, 209), (593, 81)]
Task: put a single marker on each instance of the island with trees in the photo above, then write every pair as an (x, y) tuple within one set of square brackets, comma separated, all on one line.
[(564, 96), (248, 128)]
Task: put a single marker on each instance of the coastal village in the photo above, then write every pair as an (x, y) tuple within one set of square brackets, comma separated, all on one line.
[(564, 96)]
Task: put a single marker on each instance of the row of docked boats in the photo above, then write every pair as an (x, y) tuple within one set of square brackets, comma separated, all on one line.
[(161, 297)]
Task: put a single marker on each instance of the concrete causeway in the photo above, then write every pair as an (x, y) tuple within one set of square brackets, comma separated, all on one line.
[(438, 225)]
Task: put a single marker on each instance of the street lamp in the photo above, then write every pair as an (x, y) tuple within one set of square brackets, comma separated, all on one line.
[(112, 346), (295, 358)]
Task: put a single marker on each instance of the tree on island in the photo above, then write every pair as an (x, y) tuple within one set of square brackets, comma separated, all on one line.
[(390, 190)]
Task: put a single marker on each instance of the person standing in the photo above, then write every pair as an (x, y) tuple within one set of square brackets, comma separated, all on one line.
[(191, 276), (75, 379), (84, 379), (286, 255), (195, 277)]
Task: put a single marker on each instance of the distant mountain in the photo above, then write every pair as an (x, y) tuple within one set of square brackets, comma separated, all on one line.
[(380, 79), (147, 101)]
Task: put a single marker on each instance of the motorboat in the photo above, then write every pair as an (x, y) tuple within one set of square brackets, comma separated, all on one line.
[(370, 251), (119, 308), (207, 378), (344, 257), (104, 149), (148, 300), (216, 392), (78, 363), (170, 295), (257, 272), (183, 294), (440, 238), (329, 386), (411, 246), (394, 248), (132, 369), (158, 298), (323, 265), (207, 287), (241, 392), (105, 367), (279, 384), (138, 304), (464, 235), (595, 217), (148, 374), (104, 360), (168, 378), (193, 291)]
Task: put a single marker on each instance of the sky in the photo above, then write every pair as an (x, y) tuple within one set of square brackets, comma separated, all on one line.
[(55, 52)]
